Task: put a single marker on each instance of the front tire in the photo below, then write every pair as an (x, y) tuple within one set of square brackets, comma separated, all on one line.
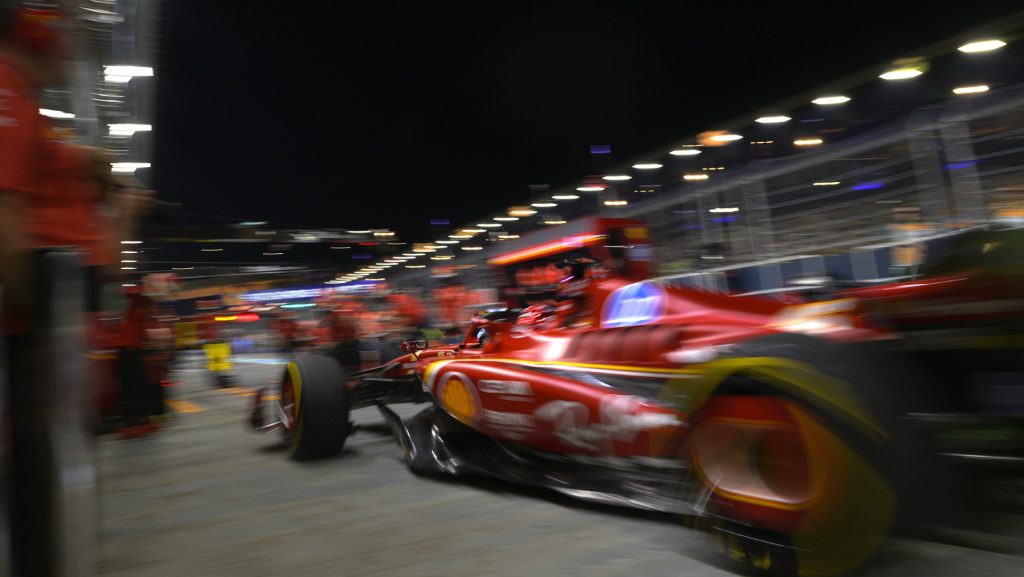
[(314, 407)]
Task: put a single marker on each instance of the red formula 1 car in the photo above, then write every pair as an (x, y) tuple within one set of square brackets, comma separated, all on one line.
[(778, 427)]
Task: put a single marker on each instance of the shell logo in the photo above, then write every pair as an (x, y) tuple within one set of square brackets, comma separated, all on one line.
[(458, 400)]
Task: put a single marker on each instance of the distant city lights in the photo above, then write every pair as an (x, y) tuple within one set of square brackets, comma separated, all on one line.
[(617, 177), (725, 137), (616, 202), (695, 177), (591, 188), (647, 166), (544, 204), (683, 152), (565, 196), (773, 119), (807, 141)]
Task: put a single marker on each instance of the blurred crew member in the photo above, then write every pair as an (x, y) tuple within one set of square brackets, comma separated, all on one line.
[(141, 395), (574, 305), (342, 326), (47, 198)]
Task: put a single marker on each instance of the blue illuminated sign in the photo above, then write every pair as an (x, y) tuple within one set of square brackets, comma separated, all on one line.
[(869, 185), (636, 304)]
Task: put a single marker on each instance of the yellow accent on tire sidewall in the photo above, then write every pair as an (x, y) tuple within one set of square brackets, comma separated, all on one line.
[(294, 374)]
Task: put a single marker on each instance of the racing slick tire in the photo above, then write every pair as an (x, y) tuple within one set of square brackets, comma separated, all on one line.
[(802, 456), (315, 404)]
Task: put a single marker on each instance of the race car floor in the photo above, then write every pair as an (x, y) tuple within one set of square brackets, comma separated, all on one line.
[(207, 497)]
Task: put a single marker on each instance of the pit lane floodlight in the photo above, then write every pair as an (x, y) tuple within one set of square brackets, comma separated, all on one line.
[(901, 74), (981, 46), (647, 166), (971, 89), (544, 204), (777, 119), (57, 114), (130, 129), (131, 71), (685, 152), (725, 137), (591, 188), (617, 177), (488, 224), (830, 100), (127, 167), (565, 196), (506, 218)]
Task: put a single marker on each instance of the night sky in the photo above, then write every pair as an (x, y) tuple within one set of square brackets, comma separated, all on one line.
[(387, 114)]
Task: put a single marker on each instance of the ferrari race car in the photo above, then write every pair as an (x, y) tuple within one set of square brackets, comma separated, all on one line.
[(778, 428)]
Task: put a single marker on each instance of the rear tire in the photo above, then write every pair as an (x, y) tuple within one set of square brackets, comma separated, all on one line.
[(863, 479), (314, 393)]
